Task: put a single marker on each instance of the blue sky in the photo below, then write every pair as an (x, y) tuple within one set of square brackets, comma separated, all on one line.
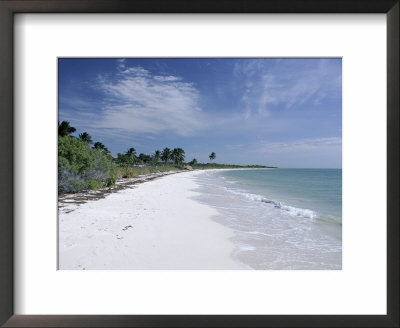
[(279, 112)]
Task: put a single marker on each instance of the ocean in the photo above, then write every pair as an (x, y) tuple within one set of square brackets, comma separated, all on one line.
[(282, 219)]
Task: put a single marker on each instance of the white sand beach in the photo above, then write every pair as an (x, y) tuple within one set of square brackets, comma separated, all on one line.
[(154, 225)]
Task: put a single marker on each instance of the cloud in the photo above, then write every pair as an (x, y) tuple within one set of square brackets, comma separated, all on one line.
[(167, 78), (290, 84), (135, 102)]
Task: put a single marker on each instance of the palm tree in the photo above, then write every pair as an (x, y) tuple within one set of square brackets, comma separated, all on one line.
[(212, 156), (85, 137), (131, 154), (193, 162), (121, 158), (178, 155), (99, 146), (144, 158), (64, 129), (156, 156), (166, 154)]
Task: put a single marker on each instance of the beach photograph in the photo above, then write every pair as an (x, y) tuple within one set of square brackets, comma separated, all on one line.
[(199, 164)]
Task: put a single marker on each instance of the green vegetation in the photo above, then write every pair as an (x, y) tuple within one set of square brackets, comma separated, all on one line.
[(81, 167), (166, 155), (146, 159), (178, 156), (125, 171), (85, 137), (64, 129), (156, 156), (128, 158), (101, 147)]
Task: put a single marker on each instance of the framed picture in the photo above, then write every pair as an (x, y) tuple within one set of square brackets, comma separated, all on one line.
[(197, 174)]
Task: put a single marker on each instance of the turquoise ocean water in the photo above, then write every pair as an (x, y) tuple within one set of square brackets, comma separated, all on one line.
[(284, 219)]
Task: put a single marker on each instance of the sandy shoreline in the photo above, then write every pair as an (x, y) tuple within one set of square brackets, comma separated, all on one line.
[(67, 202), (152, 225)]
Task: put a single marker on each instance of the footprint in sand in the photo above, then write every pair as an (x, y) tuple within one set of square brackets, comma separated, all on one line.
[(127, 227)]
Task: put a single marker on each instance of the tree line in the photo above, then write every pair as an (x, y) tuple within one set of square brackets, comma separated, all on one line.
[(84, 164), (176, 155)]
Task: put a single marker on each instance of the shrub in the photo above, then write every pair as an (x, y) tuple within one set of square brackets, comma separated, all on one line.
[(80, 167), (93, 184), (111, 182)]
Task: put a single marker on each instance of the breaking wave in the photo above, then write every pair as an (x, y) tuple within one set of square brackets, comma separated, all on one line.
[(291, 210)]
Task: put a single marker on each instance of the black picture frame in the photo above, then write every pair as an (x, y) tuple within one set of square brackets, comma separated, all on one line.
[(10, 7)]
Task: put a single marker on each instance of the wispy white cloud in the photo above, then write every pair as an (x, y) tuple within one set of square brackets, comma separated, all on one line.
[(135, 102), (167, 78), (266, 88)]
